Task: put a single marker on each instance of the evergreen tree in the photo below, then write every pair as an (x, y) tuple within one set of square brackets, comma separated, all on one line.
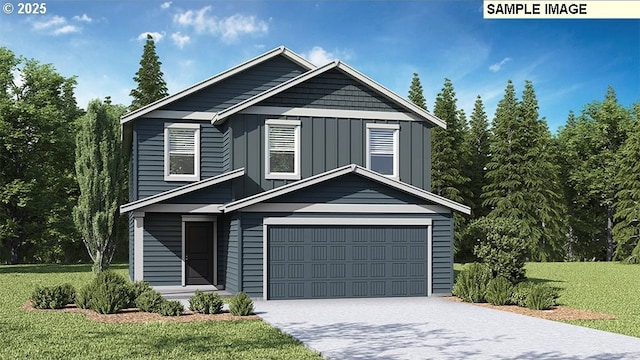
[(522, 178), (626, 232), (99, 170), (151, 85), (415, 92), (478, 142)]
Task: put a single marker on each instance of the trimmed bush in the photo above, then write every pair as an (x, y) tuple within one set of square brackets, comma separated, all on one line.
[(241, 304), (52, 297), (206, 303), (541, 297), (170, 308), (471, 283), (135, 290), (83, 296), (499, 291), (520, 293), (149, 301), (110, 293)]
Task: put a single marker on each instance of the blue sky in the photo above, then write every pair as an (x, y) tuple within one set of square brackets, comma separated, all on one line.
[(571, 62)]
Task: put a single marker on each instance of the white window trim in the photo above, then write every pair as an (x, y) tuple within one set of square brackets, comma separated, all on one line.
[(196, 165), (295, 175), (396, 147)]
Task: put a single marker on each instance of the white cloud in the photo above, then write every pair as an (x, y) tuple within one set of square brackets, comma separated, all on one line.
[(157, 37), (83, 18), (319, 56), (180, 40), (497, 66), (166, 5), (228, 28), (50, 23), (56, 25)]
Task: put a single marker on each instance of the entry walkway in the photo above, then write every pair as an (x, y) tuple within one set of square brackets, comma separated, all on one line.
[(434, 328)]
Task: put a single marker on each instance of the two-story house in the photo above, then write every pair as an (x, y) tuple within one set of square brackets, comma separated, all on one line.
[(286, 180)]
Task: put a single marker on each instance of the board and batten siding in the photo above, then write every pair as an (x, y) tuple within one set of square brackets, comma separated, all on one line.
[(242, 86), (252, 241), (325, 144), (163, 249), (149, 137)]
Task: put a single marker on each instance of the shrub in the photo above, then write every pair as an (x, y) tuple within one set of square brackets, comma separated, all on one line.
[(471, 283), (135, 290), (170, 308), (110, 293), (501, 246), (83, 296), (499, 291), (520, 293), (149, 301), (241, 304), (206, 303), (541, 297), (52, 297)]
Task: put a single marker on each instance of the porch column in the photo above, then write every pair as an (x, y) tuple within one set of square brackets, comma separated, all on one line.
[(138, 246)]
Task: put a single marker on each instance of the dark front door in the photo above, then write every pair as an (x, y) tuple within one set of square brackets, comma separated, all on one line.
[(199, 253)]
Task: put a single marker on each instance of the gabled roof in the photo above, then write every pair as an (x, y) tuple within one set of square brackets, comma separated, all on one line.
[(332, 174), (170, 194), (346, 69), (217, 78)]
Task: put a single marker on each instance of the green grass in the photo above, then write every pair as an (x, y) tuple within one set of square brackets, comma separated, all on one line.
[(607, 287), (56, 335)]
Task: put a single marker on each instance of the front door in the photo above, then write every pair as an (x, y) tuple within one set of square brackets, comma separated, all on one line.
[(198, 253)]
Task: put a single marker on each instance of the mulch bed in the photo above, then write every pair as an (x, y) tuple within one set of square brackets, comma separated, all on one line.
[(133, 315), (555, 313)]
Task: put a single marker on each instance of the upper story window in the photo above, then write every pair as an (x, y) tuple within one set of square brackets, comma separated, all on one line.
[(383, 148), (282, 153), (181, 152)]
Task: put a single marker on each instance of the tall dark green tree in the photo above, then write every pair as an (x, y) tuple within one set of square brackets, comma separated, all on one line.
[(626, 231), (522, 177), (151, 85), (478, 140), (36, 160), (415, 92), (99, 170)]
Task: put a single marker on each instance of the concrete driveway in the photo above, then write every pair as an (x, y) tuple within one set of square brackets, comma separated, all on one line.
[(434, 328)]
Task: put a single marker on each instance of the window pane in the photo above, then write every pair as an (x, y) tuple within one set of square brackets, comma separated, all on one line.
[(182, 141), (181, 164), (281, 162), (381, 141), (382, 164)]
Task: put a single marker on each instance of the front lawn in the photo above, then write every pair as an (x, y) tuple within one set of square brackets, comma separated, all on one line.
[(56, 335), (607, 287)]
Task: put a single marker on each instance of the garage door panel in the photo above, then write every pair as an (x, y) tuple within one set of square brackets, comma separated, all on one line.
[(346, 261)]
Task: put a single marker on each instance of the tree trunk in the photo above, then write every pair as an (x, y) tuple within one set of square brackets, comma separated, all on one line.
[(98, 265), (609, 233), (570, 244), (14, 245)]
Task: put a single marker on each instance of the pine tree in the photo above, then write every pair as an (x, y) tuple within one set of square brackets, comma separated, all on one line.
[(415, 92), (522, 177), (151, 85), (626, 232), (478, 142), (99, 171)]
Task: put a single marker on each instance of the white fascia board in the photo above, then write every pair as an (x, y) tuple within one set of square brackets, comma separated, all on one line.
[(413, 190), (184, 208), (263, 196), (333, 113), (222, 115), (348, 208), (217, 78), (337, 221), (390, 94), (181, 115), (169, 194)]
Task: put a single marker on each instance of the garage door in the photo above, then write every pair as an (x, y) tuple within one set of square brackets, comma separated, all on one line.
[(346, 261)]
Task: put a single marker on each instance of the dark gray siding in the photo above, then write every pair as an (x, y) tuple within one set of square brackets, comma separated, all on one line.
[(252, 261), (131, 247), (163, 249), (226, 149), (240, 87), (327, 143), (223, 225), (215, 194), (333, 90), (349, 189), (150, 145), (232, 272), (133, 168)]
